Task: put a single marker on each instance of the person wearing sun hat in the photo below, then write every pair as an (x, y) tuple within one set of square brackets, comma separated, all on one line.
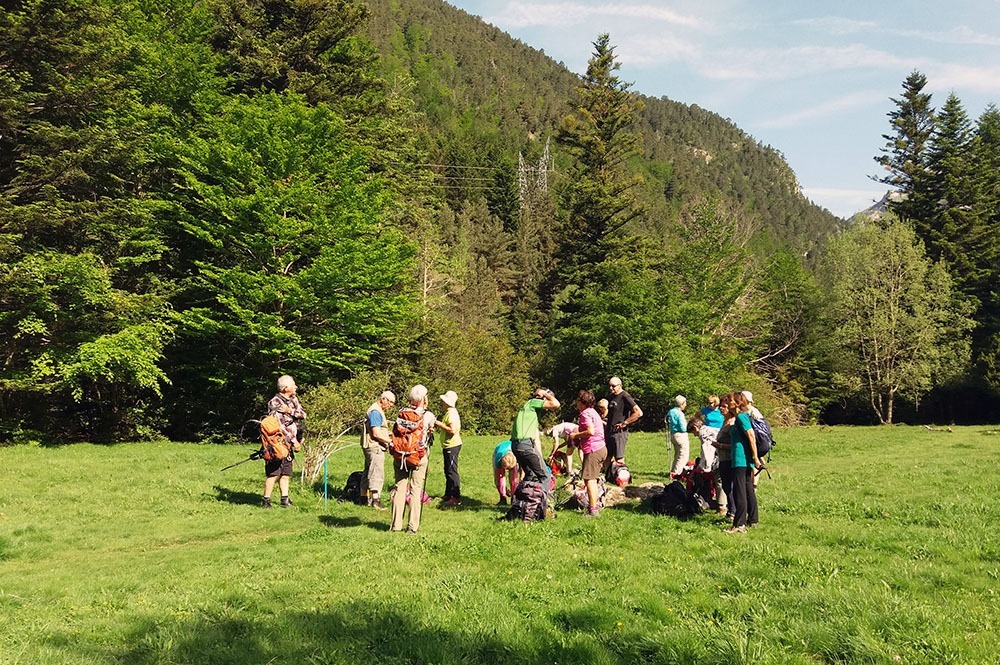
[(451, 423)]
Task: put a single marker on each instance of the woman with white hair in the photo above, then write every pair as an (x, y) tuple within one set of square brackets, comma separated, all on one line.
[(286, 408), (452, 446), (415, 426), (678, 436)]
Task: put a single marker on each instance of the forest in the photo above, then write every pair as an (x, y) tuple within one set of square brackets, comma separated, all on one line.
[(197, 196)]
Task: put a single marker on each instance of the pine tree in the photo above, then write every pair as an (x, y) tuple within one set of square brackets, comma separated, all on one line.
[(905, 153), (600, 194)]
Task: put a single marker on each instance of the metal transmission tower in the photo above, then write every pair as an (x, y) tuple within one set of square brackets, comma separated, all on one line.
[(532, 179)]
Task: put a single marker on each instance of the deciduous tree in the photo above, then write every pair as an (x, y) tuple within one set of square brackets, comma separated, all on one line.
[(894, 315)]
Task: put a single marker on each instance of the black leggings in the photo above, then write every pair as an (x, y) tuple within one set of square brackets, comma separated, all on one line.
[(452, 483), (744, 497)]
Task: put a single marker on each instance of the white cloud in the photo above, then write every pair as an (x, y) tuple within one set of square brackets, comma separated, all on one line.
[(836, 25), (949, 77), (839, 26), (798, 62), (561, 14), (843, 202), (828, 108)]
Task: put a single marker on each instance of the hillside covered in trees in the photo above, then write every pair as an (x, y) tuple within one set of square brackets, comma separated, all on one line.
[(196, 197)]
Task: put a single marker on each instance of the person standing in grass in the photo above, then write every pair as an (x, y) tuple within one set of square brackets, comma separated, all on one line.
[(375, 441), (677, 433), (590, 439), (505, 471), (452, 446), (723, 456), (411, 477), (744, 461), (524, 433), (708, 433), (286, 408), (622, 412)]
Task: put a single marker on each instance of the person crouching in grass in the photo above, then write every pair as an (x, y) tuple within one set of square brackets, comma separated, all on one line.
[(590, 439), (505, 471)]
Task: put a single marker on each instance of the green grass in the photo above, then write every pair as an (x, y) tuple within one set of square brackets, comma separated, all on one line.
[(876, 545)]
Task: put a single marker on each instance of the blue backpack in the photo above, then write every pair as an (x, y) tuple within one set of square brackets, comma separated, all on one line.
[(762, 432)]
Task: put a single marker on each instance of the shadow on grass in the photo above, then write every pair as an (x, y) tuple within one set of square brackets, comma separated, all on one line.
[(236, 497), (468, 503), (352, 521), (366, 632)]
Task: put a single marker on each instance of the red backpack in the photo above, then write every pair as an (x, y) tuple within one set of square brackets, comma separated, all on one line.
[(408, 438), (272, 439)]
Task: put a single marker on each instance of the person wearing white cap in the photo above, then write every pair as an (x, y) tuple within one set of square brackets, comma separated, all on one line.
[(754, 411), (755, 414), (678, 436), (452, 446)]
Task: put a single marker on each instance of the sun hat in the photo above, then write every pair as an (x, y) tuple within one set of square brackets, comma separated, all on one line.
[(449, 398)]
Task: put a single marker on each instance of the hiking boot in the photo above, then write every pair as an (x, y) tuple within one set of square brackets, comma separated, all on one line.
[(502, 501), (285, 502), (376, 504), (266, 503), (736, 529), (593, 512), (410, 530)]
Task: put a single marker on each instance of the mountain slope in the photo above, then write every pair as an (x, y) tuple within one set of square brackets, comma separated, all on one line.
[(488, 96)]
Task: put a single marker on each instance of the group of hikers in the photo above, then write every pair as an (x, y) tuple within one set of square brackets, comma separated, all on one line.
[(729, 453)]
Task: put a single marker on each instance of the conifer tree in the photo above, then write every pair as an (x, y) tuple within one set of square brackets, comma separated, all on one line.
[(905, 153), (599, 196)]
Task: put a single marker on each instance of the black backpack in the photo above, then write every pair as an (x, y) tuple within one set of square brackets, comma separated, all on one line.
[(529, 503), (677, 502), (352, 488)]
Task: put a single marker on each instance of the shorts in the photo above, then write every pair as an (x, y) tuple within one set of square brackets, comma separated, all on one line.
[(616, 444), (276, 468), (593, 464)]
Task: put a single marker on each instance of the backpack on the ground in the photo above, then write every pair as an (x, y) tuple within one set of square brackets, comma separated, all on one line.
[(579, 499), (529, 503), (408, 445), (699, 483), (618, 474), (676, 501), (272, 439), (352, 488), (762, 432)]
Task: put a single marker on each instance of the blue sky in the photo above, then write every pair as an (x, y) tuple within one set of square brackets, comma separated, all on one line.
[(811, 79)]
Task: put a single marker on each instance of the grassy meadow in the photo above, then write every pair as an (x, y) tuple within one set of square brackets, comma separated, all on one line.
[(876, 545)]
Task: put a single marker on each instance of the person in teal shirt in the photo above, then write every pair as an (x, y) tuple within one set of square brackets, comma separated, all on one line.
[(744, 461), (505, 471), (678, 436)]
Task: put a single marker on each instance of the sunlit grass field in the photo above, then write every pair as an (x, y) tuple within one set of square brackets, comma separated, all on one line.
[(876, 545)]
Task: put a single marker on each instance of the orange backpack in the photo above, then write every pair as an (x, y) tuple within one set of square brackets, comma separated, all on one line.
[(272, 439), (408, 438)]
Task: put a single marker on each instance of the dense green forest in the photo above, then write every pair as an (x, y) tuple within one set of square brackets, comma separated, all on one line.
[(198, 196)]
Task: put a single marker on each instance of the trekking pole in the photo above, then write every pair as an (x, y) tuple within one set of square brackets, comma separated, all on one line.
[(326, 485), (256, 455)]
